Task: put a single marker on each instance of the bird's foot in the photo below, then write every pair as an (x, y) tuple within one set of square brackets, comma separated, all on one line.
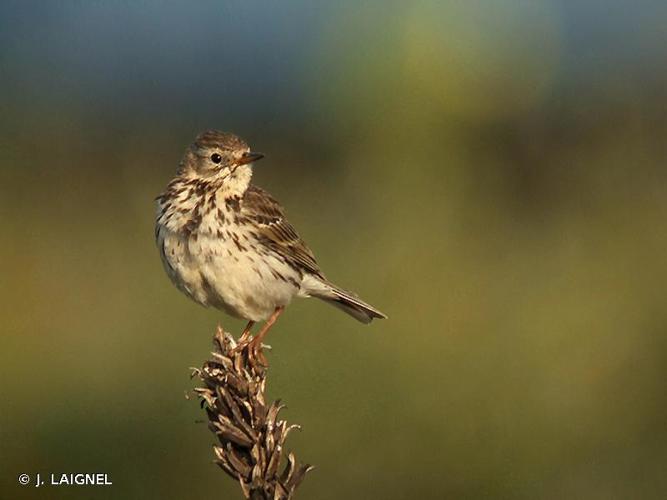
[(245, 338), (256, 353), (242, 343)]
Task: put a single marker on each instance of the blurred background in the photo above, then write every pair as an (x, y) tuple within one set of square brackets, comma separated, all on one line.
[(490, 174)]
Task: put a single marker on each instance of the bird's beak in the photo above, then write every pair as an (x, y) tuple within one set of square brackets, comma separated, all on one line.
[(249, 157)]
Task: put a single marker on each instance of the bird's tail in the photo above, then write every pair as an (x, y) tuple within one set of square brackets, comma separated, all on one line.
[(342, 299)]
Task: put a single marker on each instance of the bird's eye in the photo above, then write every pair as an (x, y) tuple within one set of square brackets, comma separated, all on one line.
[(216, 158)]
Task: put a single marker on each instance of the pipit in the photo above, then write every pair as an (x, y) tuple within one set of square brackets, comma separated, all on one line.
[(226, 243)]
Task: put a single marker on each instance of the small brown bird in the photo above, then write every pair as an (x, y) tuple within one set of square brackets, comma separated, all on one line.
[(226, 243)]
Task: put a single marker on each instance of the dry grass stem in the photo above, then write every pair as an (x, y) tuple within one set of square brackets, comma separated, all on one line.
[(251, 438)]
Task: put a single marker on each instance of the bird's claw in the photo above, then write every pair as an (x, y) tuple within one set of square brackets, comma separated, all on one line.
[(256, 354)]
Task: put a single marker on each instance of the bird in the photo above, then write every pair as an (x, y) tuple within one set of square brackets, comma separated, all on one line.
[(226, 243)]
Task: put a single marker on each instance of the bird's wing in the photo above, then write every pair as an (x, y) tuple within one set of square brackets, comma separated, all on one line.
[(275, 231)]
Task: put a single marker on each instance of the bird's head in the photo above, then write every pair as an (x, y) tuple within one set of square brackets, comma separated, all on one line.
[(219, 155)]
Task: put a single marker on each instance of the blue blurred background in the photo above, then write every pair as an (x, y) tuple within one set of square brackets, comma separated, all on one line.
[(490, 174)]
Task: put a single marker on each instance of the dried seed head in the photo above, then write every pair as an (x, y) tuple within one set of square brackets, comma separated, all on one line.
[(250, 436)]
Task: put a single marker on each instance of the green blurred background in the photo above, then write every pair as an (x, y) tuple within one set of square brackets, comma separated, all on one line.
[(490, 174)]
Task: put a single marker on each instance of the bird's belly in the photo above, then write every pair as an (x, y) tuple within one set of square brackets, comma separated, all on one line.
[(251, 290), (243, 283)]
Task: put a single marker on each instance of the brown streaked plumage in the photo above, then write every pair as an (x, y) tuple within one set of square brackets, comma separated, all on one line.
[(226, 243), (275, 232)]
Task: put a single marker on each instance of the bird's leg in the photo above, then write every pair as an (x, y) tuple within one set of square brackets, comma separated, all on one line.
[(243, 339), (256, 343), (246, 332)]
